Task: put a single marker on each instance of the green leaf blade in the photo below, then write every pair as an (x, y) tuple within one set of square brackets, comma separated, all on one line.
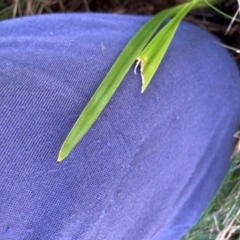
[(112, 81), (151, 57)]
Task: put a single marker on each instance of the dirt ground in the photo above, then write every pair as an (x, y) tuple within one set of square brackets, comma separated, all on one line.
[(206, 18)]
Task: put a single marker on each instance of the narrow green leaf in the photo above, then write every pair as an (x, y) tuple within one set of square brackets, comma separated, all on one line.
[(210, 4), (152, 55), (113, 79)]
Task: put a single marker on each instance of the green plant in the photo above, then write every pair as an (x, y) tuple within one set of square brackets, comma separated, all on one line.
[(143, 47), (221, 219)]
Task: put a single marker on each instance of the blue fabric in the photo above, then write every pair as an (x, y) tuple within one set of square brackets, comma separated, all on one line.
[(148, 167)]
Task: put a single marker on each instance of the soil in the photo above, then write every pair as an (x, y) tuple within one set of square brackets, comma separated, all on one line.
[(207, 18)]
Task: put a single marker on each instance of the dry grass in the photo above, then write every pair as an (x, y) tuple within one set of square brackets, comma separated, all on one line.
[(221, 221)]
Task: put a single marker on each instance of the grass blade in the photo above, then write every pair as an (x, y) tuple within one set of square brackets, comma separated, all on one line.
[(113, 79), (152, 55), (209, 3)]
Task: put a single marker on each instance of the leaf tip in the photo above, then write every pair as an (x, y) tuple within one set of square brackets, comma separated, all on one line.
[(60, 157), (59, 160)]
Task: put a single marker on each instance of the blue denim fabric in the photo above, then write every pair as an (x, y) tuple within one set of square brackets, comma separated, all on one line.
[(152, 162)]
